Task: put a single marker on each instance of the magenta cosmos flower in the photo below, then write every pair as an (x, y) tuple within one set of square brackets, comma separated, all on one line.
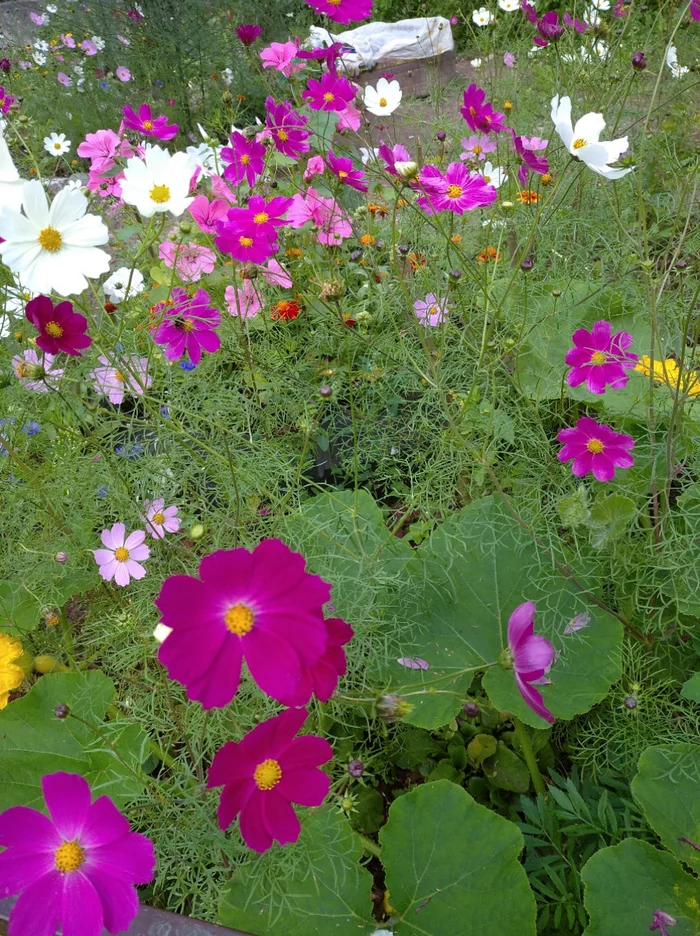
[(391, 155), (261, 217), (160, 519), (245, 158), (343, 11), (122, 554), (343, 169), (479, 114), (280, 56), (600, 358), (248, 244), (695, 10), (457, 190), (188, 325), (59, 327), (431, 311), (261, 607), (206, 213), (595, 447), (75, 870), (287, 128), (248, 33), (264, 773), (331, 93), (114, 382), (144, 122), (36, 372), (321, 679), (529, 160), (532, 656), (549, 29)]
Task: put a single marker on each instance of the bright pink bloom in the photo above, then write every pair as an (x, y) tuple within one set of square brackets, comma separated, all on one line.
[(246, 159), (248, 33), (261, 607), (191, 261), (529, 11), (509, 60), (264, 773), (105, 186), (67, 41), (160, 519), (275, 275), (206, 213), (320, 680), (88, 47), (131, 377), (343, 11), (76, 868), (6, 100), (244, 301), (695, 10), (123, 73), (331, 93), (101, 147), (188, 325), (456, 191), (280, 56), (287, 128), (349, 119), (144, 122), (431, 311), (261, 217), (315, 166), (343, 169), (532, 656), (576, 23), (528, 159), (220, 189), (36, 372), (391, 155), (244, 244), (59, 327), (595, 448), (62, 78), (476, 147), (479, 114), (333, 224), (600, 358), (121, 558)]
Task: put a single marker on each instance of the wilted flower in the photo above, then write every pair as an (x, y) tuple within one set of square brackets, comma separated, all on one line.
[(661, 920), (36, 373)]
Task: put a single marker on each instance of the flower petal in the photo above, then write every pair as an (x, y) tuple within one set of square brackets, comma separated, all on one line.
[(68, 799)]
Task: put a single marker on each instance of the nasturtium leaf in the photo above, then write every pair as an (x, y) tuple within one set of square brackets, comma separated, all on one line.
[(625, 884), (481, 747), (452, 866), (20, 611), (326, 892), (667, 787), (610, 517), (33, 742), (691, 688), (506, 771), (477, 568)]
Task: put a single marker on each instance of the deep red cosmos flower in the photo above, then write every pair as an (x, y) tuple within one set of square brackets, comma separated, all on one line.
[(59, 327), (248, 33)]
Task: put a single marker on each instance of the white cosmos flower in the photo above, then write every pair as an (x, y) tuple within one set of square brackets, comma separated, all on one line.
[(384, 99), (583, 140), (51, 8), (509, 6), (57, 144), (475, 63), (158, 182), (482, 17), (601, 4), (41, 45), (206, 157), (100, 43), (122, 283), (39, 58), (591, 16), (53, 248), (227, 76), (368, 155), (10, 182), (672, 61), (494, 175)]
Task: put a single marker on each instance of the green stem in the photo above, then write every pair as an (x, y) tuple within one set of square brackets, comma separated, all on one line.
[(369, 846), (529, 755)]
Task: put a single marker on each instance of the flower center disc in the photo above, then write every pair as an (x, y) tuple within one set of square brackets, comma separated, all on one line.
[(454, 191), (158, 518), (245, 159), (267, 774), (382, 102), (245, 241), (239, 621), (595, 446), (262, 217), (282, 134), (148, 125), (329, 96), (598, 358), (160, 194), (579, 144), (54, 329), (50, 239), (70, 856), (121, 553)]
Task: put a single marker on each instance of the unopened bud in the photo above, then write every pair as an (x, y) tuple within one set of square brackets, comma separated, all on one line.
[(197, 532), (441, 136), (325, 391), (630, 702), (61, 557), (556, 293), (471, 709), (185, 227), (34, 371), (227, 97), (391, 706), (527, 264), (455, 275), (406, 170), (356, 768), (639, 63), (356, 255), (507, 206), (403, 249), (62, 710)]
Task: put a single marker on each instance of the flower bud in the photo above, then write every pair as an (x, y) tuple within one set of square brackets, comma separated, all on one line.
[(471, 709), (48, 664), (441, 136), (639, 63), (185, 227), (630, 702), (197, 532), (527, 264), (403, 249), (325, 391), (507, 206), (556, 293), (406, 170), (227, 97), (5, 64), (34, 371), (455, 275), (356, 768), (356, 255), (62, 710), (391, 706), (61, 557)]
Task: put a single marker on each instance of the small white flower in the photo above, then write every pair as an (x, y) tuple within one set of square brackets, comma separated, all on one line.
[(158, 182), (51, 8), (583, 141), (56, 144), (41, 45), (509, 6), (227, 76), (601, 4), (206, 157), (591, 16), (368, 155), (601, 49), (482, 17), (494, 175), (672, 61), (384, 99), (39, 58), (122, 283), (78, 69), (99, 43), (476, 63)]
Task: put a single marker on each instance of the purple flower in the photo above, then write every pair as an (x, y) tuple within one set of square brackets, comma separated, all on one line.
[(431, 311), (575, 23), (188, 325), (528, 159), (342, 168), (391, 155), (532, 656), (456, 191), (600, 358), (122, 557), (343, 11), (287, 128), (144, 122), (509, 60), (261, 217), (36, 18), (695, 13), (595, 448), (639, 62), (529, 11), (245, 159), (76, 868), (661, 921), (549, 27), (479, 114), (331, 93), (5, 64), (248, 33)]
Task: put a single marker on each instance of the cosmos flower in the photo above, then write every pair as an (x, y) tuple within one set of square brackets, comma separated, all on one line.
[(247, 245), (11, 675), (479, 114), (431, 311), (476, 147), (56, 144), (349, 119), (331, 93), (482, 17), (158, 182), (494, 175), (343, 11), (160, 519), (259, 216), (187, 326), (287, 128), (583, 142), (695, 10), (531, 656), (123, 283), (274, 274), (596, 448), (191, 261), (245, 159), (236, 610), (76, 867), (115, 383), (145, 123), (59, 327), (280, 56), (206, 213), (343, 169), (456, 191), (248, 33), (549, 29), (10, 182), (36, 372), (101, 148), (390, 155), (529, 161), (243, 301), (123, 73), (333, 224), (677, 70), (600, 358), (122, 556), (322, 679), (384, 99)]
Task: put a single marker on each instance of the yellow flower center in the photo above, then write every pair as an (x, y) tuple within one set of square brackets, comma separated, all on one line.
[(328, 97), (148, 125), (282, 134), (487, 178), (188, 325), (69, 857), (382, 102), (546, 178), (335, 2), (57, 146), (245, 241), (54, 329), (598, 358), (262, 217), (21, 369), (160, 194), (595, 446), (121, 553), (269, 773), (245, 159), (476, 149), (158, 518), (472, 111), (433, 310), (239, 621), (50, 239), (119, 376), (580, 143), (454, 191), (342, 174)]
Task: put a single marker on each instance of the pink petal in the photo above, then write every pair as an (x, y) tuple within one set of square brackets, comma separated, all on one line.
[(28, 829), (534, 700), (20, 869), (520, 624), (108, 571), (47, 894), (68, 799), (533, 655), (82, 911), (118, 535), (139, 553), (306, 752), (219, 682), (413, 663), (119, 901), (279, 817), (103, 556), (104, 824), (129, 858), (253, 830), (121, 575), (305, 787), (272, 662), (134, 539)]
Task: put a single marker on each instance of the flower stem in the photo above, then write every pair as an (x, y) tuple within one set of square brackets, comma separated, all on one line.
[(529, 755), (369, 846)]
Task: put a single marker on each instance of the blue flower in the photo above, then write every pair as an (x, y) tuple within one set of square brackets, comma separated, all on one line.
[(32, 428), (158, 83), (129, 451), (102, 491), (104, 85), (165, 412), (187, 365)]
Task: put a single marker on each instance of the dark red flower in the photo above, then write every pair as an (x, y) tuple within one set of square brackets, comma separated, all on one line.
[(59, 327), (248, 33)]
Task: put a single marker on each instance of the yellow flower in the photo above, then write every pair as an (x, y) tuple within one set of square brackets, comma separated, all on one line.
[(669, 373), (11, 675)]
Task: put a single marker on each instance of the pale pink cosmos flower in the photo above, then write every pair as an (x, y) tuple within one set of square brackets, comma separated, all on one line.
[(476, 147), (315, 166), (349, 119), (124, 40), (62, 78), (88, 47), (332, 222), (221, 189), (280, 56), (274, 274), (160, 519), (123, 73), (509, 60), (243, 301), (206, 213), (115, 383), (531, 656), (29, 363), (191, 261), (121, 558), (67, 41), (534, 143), (105, 186), (431, 311), (100, 147)]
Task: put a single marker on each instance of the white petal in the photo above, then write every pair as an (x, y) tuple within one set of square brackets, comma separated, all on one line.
[(589, 128), (36, 207), (67, 207)]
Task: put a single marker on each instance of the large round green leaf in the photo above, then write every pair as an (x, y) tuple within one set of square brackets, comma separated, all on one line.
[(452, 866), (478, 567), (627, 883), (667, 787)]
